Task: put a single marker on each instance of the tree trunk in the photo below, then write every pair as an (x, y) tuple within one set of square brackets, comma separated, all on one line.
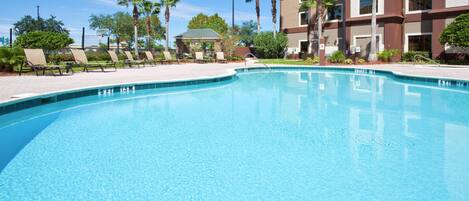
[(274, 17), (258, 13), (308, 34), (372, 57), (149, 32), (135, 12), (320, 21), (167, 15)]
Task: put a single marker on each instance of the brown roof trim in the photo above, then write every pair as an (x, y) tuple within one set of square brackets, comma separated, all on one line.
[(450, 10)]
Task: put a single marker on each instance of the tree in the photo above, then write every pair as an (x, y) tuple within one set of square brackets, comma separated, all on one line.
[(321, 6), (247, 33), (118, 24), (214, 22), (258, 14), (29, 24), (151, 10), (43, 40), (136, 14), (274, 17), (457, 33), (373, 55), (269, 47), (168, 4)]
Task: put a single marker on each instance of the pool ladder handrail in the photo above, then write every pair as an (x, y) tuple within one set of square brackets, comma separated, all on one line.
[(254, 56), (425, 58)]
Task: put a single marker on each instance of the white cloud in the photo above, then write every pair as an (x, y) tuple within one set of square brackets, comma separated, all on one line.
[(112, 3), (187, 11)]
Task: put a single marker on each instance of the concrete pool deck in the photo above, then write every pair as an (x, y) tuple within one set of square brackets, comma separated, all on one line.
[(14, 87)]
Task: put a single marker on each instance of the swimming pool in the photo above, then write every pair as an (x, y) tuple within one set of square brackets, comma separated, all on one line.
[(265, 135)]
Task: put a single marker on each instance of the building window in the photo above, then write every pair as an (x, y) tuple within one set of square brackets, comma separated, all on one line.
[(335, 13), (420, 43), (366, 6), (416, 5), (304, 46), (303, 18)]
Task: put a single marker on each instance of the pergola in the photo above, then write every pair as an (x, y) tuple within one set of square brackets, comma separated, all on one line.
[(195, 40)]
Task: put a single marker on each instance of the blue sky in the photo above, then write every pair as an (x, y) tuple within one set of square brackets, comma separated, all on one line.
[(75, 13)]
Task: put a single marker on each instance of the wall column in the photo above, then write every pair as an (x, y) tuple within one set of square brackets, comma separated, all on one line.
[(438, 50)]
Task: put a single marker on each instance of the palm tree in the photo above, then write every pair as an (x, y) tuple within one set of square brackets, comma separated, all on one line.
[(168, 4), (321, 6), (373, 57), (150, 9), (258, 13), (274, 17), (136, 14)]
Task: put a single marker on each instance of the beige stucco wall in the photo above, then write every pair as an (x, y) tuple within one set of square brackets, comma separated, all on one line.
[(294, 40), (289, 13), (419, 27)]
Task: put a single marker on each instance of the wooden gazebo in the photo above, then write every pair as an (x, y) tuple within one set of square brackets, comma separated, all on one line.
[(198, 40)]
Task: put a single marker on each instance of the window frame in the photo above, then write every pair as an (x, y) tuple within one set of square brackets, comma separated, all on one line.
[(299, 45), (299, 19), (406, 42), (407, 11), (379, 12), (336, 20)]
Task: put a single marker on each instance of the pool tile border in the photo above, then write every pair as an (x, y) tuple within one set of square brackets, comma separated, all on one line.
[(35, 101), (25, 103)]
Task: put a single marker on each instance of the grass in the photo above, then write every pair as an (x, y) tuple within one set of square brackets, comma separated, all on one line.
[(284, 61)]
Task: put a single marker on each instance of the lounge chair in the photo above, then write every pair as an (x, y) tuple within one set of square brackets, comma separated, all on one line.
[(82, 60), (199, 57), (36, 60), (130, 60), (221, 57), (168, 58), (150, 59), (114, 57)]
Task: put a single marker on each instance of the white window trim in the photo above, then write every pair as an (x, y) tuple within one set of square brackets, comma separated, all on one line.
[(299, 20), (414, 11), (299, 45), (380, 42), (380, 11), (327, 14), (406, 43)]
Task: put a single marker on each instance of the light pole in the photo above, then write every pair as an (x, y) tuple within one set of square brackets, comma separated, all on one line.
[(232, 14), (38, 16)]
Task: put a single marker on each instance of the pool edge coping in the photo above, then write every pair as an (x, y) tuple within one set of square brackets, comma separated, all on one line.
[(229, 73)]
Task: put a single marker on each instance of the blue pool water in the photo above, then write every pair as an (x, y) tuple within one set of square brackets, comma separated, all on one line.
[(281, 135)]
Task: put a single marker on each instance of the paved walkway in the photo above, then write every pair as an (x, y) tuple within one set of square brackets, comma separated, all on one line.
[(11, 86)]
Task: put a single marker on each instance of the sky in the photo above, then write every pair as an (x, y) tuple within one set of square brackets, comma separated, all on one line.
[(75, 13)]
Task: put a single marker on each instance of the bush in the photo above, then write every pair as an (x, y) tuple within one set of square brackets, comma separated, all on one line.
[(234, 58), (410, 56), (337, 57), (57, 58), (43, 40), (457, 33), (348, 61), (269, 47), (361, 61), (11, 58), (387, 55), (98, 56)]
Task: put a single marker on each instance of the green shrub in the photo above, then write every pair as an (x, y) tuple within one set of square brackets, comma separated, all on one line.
[(348, 61), (234, 58), (387, 55), (361, 61), (410, 56), (57, 58), (43, 40), (269, 47), (10, 58), (457, 33), (337, 57), (312, 60), (98, 56)]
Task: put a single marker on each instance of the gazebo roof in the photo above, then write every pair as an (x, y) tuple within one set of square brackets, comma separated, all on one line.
[(199, 34)]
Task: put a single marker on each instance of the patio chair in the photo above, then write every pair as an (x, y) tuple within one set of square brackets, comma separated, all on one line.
[(82, 60), (168, 58), (131, 61), (36, 60), (199, 57), (114, 57), (221, 57), (150, 59)]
